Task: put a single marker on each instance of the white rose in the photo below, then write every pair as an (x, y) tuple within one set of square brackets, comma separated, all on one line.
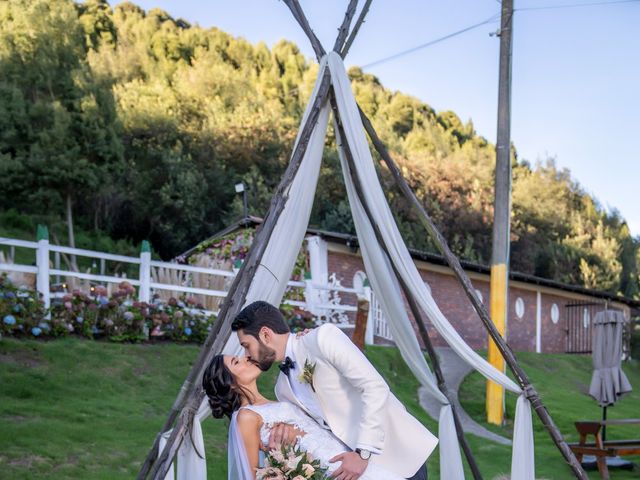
[(293, 462), (277, 456)]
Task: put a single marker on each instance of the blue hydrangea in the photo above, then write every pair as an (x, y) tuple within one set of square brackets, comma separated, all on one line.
[(95, 330), (17, 308), (10, 320), (79, 319), (36, 331), (103, 300), (10, 295), (44, 326), (128, 316), (187, 332)]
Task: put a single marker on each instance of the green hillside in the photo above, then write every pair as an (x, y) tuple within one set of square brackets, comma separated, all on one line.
[(137, 125), (78, 409)]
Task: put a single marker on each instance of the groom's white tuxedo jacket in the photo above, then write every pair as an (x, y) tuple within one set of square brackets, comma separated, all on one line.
[(356, 403)]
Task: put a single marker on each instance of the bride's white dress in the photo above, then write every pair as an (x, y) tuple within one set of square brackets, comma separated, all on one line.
[(320, 443)]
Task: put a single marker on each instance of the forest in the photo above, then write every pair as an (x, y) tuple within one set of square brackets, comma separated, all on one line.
[(136, 125)]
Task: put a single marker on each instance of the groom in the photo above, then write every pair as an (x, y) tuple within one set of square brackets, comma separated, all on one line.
[(327, 376)]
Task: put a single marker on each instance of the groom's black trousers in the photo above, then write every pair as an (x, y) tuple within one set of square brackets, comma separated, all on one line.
[(420, 474)]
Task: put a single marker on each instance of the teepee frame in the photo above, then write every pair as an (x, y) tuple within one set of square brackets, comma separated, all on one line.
[(191, 395)]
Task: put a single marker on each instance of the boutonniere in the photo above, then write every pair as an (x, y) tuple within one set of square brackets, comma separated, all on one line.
[(307, 373)]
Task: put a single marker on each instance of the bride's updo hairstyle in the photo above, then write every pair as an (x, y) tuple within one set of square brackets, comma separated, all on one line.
[(224, 393)]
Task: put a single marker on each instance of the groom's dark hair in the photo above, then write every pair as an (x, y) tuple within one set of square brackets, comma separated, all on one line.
[(257, 315)]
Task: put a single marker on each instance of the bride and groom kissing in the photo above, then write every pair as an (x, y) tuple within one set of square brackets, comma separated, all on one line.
[(332, 403)]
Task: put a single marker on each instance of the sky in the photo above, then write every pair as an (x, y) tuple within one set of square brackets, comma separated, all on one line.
[(576, 71)]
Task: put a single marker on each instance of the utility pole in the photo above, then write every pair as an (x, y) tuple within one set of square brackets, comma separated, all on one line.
[(501, 215)]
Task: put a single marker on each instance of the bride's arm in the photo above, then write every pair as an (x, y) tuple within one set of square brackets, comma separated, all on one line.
[(249, 424)]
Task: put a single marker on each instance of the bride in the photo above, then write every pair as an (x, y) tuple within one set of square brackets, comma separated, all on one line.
[(230, 385)]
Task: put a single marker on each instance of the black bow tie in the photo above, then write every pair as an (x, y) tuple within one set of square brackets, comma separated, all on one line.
[(287, 366)]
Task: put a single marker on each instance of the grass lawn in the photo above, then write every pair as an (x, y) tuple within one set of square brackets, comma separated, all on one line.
[(83, 409)]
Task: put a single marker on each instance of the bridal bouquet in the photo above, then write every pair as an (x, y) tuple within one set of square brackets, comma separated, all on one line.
[(290, 463)]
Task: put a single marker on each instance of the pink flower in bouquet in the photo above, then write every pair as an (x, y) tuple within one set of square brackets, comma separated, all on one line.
[(308, 469), (68, 305), (299, 477), (269, 473), (178, 314)]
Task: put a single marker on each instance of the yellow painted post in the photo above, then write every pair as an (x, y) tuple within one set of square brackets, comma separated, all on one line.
[(498, 306)]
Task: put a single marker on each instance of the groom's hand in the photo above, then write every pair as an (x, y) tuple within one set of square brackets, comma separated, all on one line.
[(303, 333), (283, 434), (352, 466)]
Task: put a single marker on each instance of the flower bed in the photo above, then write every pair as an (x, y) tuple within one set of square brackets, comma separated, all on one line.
[(117, 318)]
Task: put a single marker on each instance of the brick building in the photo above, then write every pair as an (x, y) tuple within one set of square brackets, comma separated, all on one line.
[(544, 316)]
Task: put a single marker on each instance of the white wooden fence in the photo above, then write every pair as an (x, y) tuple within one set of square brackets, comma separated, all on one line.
[(144, 281)]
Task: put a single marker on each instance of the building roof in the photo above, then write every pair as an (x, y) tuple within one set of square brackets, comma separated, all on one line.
[(352, 241)]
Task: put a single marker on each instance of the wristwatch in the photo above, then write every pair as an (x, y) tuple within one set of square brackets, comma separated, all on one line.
[(364, 454)]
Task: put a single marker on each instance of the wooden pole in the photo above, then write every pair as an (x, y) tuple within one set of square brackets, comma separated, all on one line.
[(501, 217), (235, 299), (359, 332), (415, 310), (356, 28), (343, 31)]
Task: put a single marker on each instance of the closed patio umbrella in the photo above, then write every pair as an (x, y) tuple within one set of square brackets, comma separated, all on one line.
[(608, 381)]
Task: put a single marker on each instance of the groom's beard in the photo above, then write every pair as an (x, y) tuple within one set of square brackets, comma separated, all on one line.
[(266, 357)]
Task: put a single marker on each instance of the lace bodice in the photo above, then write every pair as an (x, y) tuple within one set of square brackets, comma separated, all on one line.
[(319, 442)]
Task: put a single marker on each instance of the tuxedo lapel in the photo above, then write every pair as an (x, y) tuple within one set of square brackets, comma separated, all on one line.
[(302, 356), (285, 392)]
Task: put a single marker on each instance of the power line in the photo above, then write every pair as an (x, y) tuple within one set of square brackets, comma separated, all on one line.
[(491, 19)]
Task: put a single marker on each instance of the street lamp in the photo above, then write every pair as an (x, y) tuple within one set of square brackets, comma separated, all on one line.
[(240, 188)]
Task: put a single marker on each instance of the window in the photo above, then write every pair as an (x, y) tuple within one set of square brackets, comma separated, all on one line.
[(520, 307)]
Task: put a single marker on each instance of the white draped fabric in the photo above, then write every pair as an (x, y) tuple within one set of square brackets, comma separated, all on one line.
[(377, 266), (270, 281)]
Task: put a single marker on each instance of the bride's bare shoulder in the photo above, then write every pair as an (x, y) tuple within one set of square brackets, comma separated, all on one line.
[(248, 418)]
